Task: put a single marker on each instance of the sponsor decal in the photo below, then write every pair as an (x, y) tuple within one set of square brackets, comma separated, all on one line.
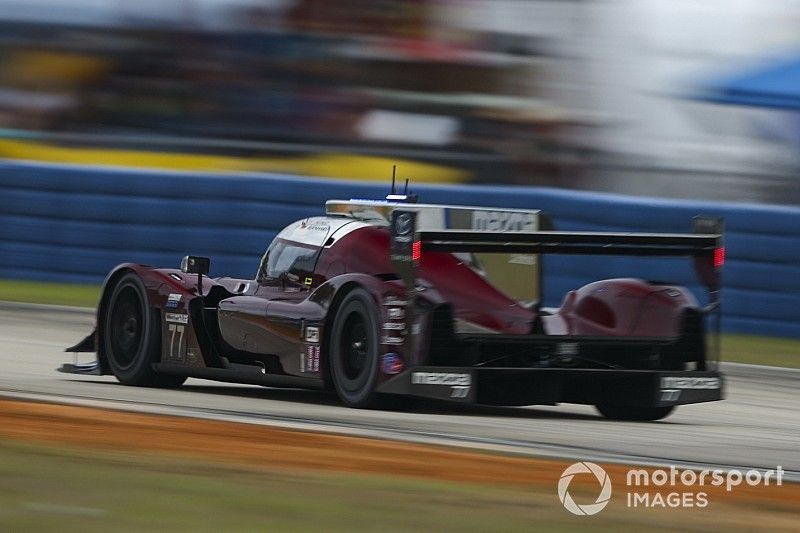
[(312, 334), (397, 326), (567, 349), (459, 383), (670, 395), (308, 280), (318, 227), (391, 340), (689, 383), (314, 226), (395, 313), (503, 221), (521, 259), (394, 300), (172, 301), (441, 378), (178, 318), (402, 224), (309, 359), (392, 363)]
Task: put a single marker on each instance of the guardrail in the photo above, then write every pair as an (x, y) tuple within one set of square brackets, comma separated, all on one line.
[(72, 224)]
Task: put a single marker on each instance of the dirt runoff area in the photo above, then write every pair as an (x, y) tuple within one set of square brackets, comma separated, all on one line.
[(263, 447)]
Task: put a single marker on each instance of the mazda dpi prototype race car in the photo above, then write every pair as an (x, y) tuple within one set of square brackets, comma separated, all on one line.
[(399, 298)]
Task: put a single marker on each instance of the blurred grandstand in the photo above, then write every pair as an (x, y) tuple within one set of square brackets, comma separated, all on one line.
[(387, 79), (571, 94)]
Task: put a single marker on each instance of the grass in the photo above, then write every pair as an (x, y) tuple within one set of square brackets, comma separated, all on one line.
[(39, 292), (46, 489), (735, 348), (753, 349), (63, 489)]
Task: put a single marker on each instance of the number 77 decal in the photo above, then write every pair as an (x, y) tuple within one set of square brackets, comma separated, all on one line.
[(173, 352)]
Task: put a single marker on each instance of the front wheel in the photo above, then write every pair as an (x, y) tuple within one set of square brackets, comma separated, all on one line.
[(628, 412), (353, 349), (132, 336)]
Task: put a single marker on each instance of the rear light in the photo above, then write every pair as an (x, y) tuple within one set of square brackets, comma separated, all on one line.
[(719, 257), (416, 250)]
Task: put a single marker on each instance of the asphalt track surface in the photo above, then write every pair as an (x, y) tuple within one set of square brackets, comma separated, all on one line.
[(757, 426)]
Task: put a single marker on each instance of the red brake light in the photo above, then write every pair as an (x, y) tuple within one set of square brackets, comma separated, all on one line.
[(719, 257), (416, 250)]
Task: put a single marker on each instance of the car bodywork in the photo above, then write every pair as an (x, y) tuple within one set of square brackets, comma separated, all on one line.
[(449, 327)]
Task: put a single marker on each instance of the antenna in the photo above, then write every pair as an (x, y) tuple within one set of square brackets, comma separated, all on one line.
[(407, 197)]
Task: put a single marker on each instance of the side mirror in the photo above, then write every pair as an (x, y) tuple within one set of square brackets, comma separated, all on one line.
[(192, 264)]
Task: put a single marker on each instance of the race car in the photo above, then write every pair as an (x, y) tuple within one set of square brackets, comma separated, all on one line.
[(393, 297)]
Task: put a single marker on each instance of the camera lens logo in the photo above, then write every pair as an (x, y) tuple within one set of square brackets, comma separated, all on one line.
[(584, 468)]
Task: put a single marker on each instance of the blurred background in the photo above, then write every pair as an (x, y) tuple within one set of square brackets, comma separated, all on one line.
[(670, 98)]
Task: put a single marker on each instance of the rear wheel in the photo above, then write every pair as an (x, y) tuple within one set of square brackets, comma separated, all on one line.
[(353, 349), (628, 412), (132, 336)]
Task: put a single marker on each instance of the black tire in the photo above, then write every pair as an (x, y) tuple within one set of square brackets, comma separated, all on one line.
[(353, 349), (628, 412), (132, 336)]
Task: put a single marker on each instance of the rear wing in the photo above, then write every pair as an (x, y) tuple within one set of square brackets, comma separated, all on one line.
[(705, 246)]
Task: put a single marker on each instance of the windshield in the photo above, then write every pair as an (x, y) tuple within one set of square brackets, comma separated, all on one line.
[(284, 257)]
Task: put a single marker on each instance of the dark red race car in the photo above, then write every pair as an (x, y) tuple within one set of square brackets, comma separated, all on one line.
[(392, 297)]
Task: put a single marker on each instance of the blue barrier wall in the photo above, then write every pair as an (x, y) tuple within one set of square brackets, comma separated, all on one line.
[(73, 224)]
